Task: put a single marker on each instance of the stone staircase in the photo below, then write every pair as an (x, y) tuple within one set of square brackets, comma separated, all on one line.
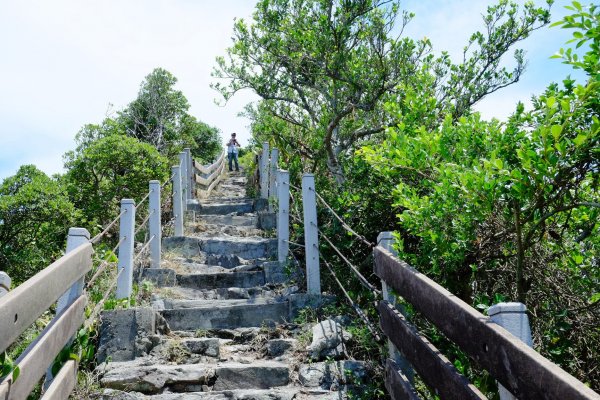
[(220, 323)]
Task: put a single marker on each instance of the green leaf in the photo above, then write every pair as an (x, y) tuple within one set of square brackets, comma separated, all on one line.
[(15, 373), (580, 139), (556, 131)]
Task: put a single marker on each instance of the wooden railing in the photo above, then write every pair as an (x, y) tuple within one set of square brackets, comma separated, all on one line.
[(519, 368), (210, 175), (63, 283)]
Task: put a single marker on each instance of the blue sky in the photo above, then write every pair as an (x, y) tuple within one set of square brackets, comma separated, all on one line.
[(65, 63)]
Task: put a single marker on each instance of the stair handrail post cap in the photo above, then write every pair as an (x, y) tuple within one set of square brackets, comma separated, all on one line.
[(511, 307), (79, 232), (5, 281), (127, 201), (154, 182)]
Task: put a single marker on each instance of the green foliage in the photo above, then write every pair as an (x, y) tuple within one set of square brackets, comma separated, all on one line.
[(8, 366), (325, 68), (586, 24), (35, 215), (108, 170), (159, 116), (509, 210)]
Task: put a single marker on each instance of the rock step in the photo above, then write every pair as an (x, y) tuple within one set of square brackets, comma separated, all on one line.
[(154, 379), (244, 247), (222, 206), (173, 304), (267, 291), (248, 394), (227, 316), (222, 280), (232, 220)]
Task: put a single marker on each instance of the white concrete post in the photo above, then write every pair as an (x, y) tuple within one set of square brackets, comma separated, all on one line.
[(5, 283), (386, 240), (273, 177), (190, 173), (76, 238), (264, 172), (126, 233), (154, 223), (184, 180), (283, 215), (177, 201), (513, 318), (311, 234)]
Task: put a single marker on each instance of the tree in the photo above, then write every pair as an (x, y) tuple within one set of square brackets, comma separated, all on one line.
[(493, 210), (35, 216), (326, 67), (156, 115), (159, 116), (108, 170)]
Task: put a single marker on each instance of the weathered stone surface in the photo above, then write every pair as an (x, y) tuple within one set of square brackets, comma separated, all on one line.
[(328, 340), (235, 206), (224, 260), (231, 220), (244, 279), (299, 301), (277, 347), (274, 272), (160, 277), (111, 394), (244, 247), (121, 333), (226, 317), (204, 346), (267, 220), (258, 375), (331, 374), (152, 379)]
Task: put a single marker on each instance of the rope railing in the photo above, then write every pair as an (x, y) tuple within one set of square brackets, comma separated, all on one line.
[(91, 319), (344, 224), (356, 308), (99, 236), (104, 264), (360, 276), (139, 254), (143, 223), (143, 199)]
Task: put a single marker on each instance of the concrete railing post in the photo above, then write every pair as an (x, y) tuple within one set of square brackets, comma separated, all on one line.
[(513, 318), (283, 215), (127, 239), (183, 163), (154, 223), (190, 173), (177, 201), (5, 283), (264, 171), (273, 177), (386, 240), (311, 235), (76, 238)]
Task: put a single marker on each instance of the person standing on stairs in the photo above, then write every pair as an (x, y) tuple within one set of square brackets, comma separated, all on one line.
[(232, 152)]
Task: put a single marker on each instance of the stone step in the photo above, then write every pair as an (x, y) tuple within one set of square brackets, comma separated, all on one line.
[(244, 247), (153, 379), (232, 220), (178, 304), (222, 206), (227, 316), (279, 393), (222, 280)]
